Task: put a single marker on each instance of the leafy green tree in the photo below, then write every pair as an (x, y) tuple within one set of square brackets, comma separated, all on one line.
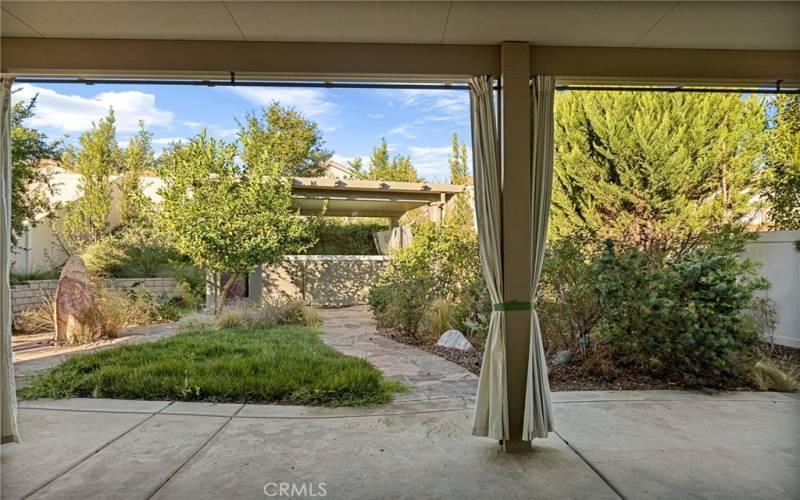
[(99, 156), (227, 218), (780, 183), (357, 164), (398, 168), (30, 184), (657, 171), (138, 159), (284, 137)]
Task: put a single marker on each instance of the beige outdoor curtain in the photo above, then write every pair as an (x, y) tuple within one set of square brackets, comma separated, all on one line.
[(538, 419), (8, 398), (491, 418), (491, 414)]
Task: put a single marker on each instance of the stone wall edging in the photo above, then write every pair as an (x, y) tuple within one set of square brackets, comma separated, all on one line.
[(31, 294)]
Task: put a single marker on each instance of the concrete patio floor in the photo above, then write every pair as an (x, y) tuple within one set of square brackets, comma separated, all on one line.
[(628, 444), (649, 444)]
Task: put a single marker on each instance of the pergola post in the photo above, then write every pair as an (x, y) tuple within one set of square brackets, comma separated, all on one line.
[(515, 155)]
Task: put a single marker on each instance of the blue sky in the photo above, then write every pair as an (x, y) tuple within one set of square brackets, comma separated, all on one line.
[(418, 123)]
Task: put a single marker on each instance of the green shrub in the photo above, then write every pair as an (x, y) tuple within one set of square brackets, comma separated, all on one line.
[(401, 301), (442, 263), (167, 312), (340, 237), (41, 274), (567, 301), (685, 318)]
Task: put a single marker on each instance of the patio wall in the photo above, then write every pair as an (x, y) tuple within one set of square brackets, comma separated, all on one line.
[(780, 264), (323, 280), (31, 294)]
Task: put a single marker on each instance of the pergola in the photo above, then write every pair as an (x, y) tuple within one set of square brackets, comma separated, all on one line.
[(370, 198), (666, 44)]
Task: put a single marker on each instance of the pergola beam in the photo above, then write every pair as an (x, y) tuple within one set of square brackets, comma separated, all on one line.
[(406, 62)]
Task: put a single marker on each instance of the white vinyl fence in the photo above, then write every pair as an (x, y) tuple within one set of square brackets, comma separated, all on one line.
[(780, 264)]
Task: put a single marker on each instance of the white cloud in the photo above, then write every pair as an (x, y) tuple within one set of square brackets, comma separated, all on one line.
[(431, 160), (453, 102), (310, 102), (413, 128), (166, 141), (375, 116), (74, 113)]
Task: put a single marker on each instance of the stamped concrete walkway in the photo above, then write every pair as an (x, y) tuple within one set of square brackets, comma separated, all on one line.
[(634, 444), (352, 331)]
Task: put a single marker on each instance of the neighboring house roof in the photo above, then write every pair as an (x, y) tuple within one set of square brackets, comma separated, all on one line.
[(338, 170)]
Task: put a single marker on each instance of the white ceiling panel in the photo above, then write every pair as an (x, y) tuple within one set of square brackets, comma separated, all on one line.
[(179, 20), (11, 26), (731, 25), (742, 25), (359, 21), (429, 21), (605, 24)]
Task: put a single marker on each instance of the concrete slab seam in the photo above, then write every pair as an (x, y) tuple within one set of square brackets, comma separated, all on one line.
[(86, 456), (198, 450), (591, 466)]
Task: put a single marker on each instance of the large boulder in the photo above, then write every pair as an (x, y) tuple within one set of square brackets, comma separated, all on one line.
[(76, 316), (454, 339)]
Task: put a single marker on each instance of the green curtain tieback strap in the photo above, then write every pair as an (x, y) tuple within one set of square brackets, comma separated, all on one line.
[(513, 305)]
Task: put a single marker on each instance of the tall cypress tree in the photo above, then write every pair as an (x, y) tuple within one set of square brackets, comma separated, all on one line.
[(654, 170), (138, 159), (398, 168), (98, 158), (781, 178), (458, 162)]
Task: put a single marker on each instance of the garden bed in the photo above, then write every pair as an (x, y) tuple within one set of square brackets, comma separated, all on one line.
[(575, 377)]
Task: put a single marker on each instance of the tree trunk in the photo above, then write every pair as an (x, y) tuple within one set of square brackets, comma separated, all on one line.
[(223, 293)]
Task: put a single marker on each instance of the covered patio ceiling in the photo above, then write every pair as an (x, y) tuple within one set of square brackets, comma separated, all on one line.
[(648, 43), (699, 25), (721, 43), (367, 198)]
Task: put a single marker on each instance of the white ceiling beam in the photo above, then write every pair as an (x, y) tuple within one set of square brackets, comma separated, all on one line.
[(215, 59)]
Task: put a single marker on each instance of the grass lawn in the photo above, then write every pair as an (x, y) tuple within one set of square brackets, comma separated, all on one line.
[(269, 364)]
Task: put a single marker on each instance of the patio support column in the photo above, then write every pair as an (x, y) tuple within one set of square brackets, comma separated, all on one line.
[(515, 155)]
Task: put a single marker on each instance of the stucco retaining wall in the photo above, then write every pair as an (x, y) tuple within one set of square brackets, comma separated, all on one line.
[(322, 280), (31, 294)]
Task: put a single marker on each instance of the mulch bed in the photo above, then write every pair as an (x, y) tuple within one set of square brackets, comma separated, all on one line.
[(575, 377)]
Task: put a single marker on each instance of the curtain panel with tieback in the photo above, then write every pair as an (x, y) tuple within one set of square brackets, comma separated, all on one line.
[(8, 397), (538, 420), (491, 409), (491, 417)]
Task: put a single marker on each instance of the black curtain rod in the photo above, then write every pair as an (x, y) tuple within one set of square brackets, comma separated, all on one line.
[(251, 83), (397, 86)]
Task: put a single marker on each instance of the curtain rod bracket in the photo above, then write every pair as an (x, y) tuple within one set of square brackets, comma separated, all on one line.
[(778, 86)]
